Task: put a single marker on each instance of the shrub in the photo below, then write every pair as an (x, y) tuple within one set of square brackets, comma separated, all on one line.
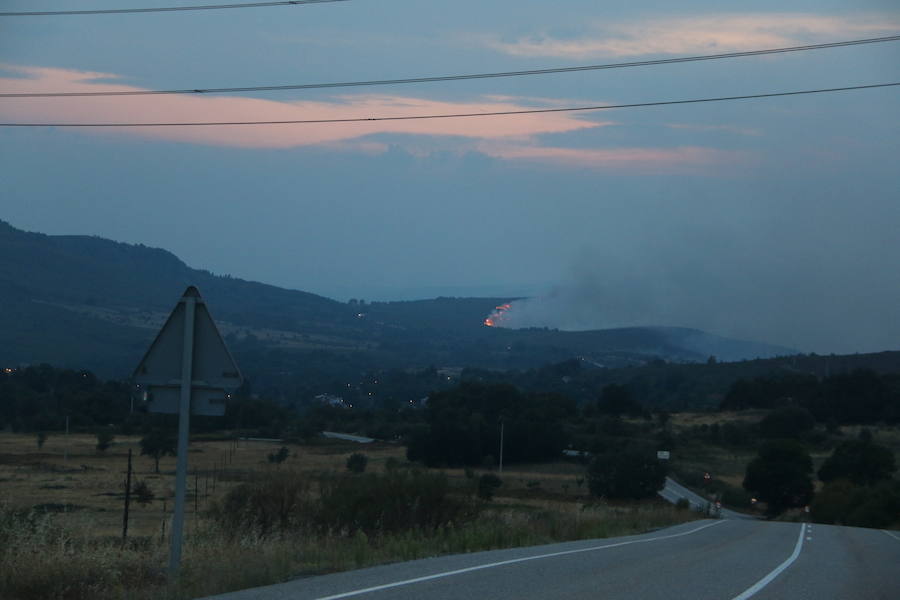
[(276, 503), (487, 485), (104, 440), (393, 501), (862, 462), (879, 506), (834, 502), (143, 493), (279, 457), (357, 462)]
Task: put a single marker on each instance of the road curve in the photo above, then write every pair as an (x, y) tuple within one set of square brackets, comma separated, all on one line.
[(674, 491), (703, 560)]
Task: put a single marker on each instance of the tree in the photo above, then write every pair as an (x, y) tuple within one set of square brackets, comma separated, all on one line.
[(617, 400), (780, 476), (463, 426), (859, 461), (158, 443), (630, 474), (357, 462), (104, 439)]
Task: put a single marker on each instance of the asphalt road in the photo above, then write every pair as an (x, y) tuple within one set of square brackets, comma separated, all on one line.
[(674, 491), (728, 559)]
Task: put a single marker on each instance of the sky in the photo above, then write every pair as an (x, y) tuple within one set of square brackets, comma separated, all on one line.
[(775, 219)]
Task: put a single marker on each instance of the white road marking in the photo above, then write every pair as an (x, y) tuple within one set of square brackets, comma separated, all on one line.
[(387, 586), (891, 534), (750, 591)]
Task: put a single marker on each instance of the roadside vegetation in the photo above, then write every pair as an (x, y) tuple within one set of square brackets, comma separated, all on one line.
[(283, 502), (252, 521)]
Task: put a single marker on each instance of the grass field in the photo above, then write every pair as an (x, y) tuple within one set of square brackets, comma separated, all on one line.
[(61, 513)]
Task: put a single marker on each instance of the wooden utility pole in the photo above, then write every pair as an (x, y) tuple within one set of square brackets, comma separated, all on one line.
[(127, 499)]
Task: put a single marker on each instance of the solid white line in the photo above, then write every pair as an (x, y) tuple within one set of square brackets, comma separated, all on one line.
[(750, 591), (509, 562), (891, 534)]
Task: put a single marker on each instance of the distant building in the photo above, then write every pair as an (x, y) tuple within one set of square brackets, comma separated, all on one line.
[(331, 400)]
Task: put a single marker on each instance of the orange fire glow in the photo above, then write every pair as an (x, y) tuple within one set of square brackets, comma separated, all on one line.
[(495, 319)]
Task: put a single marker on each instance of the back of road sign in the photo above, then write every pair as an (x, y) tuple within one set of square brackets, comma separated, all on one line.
[(214, 369)]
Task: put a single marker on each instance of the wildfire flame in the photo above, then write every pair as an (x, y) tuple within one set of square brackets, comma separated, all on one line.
[(495, 319)]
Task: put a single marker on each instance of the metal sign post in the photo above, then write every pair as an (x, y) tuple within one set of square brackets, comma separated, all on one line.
[(184, 426), (187, 369)]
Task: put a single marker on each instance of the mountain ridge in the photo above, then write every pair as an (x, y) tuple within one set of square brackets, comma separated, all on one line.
[(94, 303)]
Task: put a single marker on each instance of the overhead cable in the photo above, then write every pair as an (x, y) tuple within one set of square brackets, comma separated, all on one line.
[(462, 115), (311, 86), (120, 11)]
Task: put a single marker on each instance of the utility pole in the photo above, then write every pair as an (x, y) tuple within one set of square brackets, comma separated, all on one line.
[(66, 451), (501, 445), (127, 499)]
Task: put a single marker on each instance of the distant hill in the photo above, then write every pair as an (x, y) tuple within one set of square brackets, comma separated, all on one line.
[(92, 303)]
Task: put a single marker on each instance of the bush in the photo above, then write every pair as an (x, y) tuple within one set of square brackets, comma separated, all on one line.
[(862, 462), (843, 503), (276, 503), (104, 440), (487, 485), (143, 493), (372, 503), (631, 474), (879, 508), (279, 457), (834, 502), (357, 462), (390, 502)]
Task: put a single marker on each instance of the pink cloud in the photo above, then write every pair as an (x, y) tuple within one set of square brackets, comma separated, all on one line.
[(645, 160), (513, 138), (707, 34), (186, 108)]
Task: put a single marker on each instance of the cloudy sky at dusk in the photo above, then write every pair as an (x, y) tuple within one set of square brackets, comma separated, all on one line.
[(772, 219)]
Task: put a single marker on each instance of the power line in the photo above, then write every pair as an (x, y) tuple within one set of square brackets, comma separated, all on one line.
[(462, 115), (310, 86), (119, 11)]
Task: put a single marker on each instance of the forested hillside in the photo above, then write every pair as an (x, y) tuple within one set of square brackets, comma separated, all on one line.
[(91, 303)]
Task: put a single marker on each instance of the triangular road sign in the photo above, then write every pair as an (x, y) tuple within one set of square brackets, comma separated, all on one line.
[(213, 368)]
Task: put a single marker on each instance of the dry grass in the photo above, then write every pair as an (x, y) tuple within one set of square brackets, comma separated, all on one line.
[(684, 420), (78, 553), (91, 483)]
